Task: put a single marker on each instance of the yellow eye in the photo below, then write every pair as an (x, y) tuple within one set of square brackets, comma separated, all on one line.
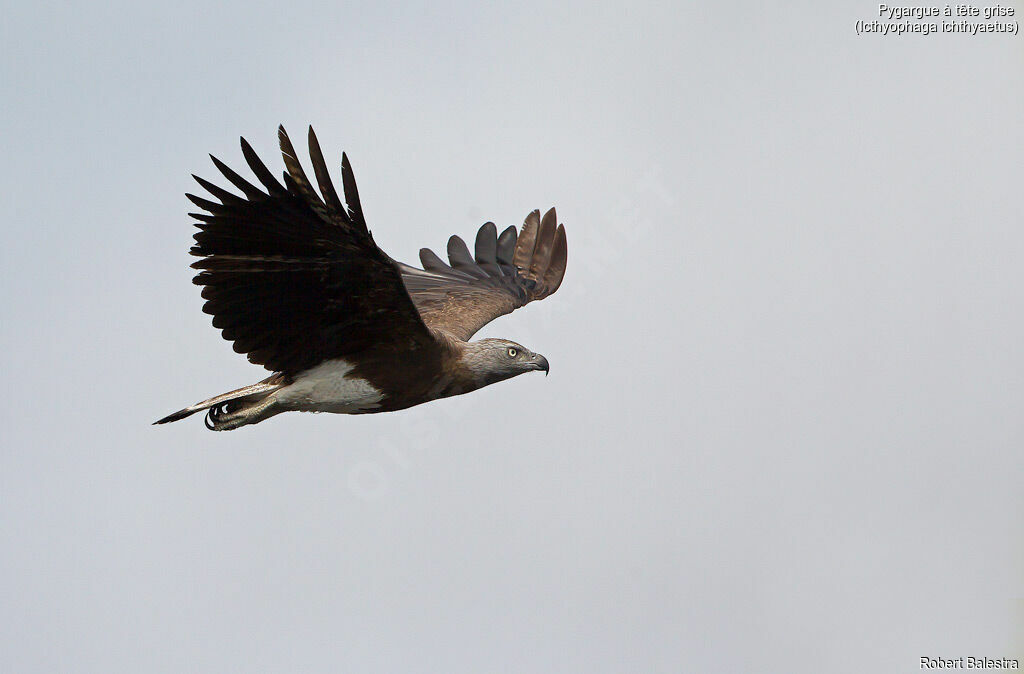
[(512, 352)]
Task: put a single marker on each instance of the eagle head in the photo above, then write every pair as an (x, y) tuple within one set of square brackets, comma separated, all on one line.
[(494, 360)]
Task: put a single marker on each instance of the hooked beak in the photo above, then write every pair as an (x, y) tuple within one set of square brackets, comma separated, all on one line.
[(541, 363)]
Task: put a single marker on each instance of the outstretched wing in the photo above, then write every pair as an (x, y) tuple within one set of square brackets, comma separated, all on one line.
[(293, 277), (505, 273)]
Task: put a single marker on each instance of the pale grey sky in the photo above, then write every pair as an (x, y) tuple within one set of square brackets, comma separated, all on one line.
[(782, 431)]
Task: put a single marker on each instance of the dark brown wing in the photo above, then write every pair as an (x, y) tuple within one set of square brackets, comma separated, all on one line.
[(505, 273), (294, 279)]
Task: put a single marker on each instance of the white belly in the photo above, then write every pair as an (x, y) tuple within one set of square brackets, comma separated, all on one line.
[(327, 388)]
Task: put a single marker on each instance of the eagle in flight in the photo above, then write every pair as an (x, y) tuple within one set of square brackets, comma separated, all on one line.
[(295, 281)]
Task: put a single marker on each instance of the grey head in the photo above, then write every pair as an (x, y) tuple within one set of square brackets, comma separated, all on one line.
[(494, 360)]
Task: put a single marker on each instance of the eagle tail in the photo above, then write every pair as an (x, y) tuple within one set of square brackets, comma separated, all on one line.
[(229, 408)]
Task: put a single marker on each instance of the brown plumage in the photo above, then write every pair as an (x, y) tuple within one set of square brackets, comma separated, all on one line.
[(293, 278)]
